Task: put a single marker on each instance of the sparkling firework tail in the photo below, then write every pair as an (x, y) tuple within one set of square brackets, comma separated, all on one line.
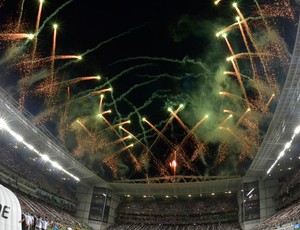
[(240, 81), (165, 126), (166, 140), (37, 24), (53, 57)]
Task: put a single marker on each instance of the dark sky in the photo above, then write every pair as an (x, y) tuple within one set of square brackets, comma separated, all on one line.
[(155, 55)]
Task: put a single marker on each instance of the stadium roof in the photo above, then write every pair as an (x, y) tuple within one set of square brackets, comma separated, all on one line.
[(41, 139), (281, 129)]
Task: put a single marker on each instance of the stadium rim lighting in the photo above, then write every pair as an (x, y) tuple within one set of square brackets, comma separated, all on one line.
[(45, 157), (286, 146)]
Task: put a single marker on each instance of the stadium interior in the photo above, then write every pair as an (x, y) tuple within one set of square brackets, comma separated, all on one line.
[(49, 181)]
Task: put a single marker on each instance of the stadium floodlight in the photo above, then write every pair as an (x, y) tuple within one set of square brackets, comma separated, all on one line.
[(17, 136), (297, 130), (288, 145), (45, 157), (3, 124), (56, 165), (281, 154)]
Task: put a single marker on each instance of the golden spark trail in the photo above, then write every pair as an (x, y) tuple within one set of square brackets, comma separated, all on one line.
[(166, 125), (135, 138), (253, 43), (242, 117), (225, 30), (159, 133), (120, 140), (79, 79), (116, 125), (268, 103), (53, 56), (226, 120), (192, 131), (37, 24), (231, 112), (100, 103), (120, 151), (17, 36), (247, 45), (239, 80), (180, 122), (231, 95), (99, 92), (21, 4), (58, 57), (111, 127), (68, 94), (230, 49), (138, 166), (83, 126), (105, 112)]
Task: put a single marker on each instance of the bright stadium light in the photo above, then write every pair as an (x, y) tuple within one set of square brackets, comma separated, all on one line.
[(3, 124), (45, 157), (56, 165), (297, 130)]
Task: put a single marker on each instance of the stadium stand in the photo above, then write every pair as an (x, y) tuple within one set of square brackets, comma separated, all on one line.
[(175, 213)]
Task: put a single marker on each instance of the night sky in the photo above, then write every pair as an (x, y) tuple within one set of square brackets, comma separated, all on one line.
[(155, 56)]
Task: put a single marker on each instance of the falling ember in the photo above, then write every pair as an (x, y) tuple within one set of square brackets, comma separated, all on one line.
[(268, 103), (242, 117), (19, 36)]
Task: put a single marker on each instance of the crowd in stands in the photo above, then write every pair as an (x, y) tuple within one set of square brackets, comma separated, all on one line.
[(289, 190), (41, 197), (173, 213), (221, 226), (288, 198), (46, 214)]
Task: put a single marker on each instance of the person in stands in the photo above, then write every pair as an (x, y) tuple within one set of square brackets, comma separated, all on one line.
[(23, 221), (45, 223), (38, 223)]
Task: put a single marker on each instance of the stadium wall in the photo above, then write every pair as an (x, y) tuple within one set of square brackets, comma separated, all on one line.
[(85, 196), (267, 206)]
